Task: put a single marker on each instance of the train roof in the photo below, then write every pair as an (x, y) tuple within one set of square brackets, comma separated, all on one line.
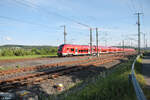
[(87, 46), (82, 45), (70, 45), (73, 45)]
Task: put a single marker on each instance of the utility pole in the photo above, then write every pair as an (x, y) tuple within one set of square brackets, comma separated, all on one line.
[(146, 43), (65, 34), (144, 39), (123, 46), (91, 49), (105, 39), (131, 43), (138, 23), (97, 41), (105, 43)]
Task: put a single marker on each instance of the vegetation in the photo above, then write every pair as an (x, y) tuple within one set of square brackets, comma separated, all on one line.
[(6, 51), (113, 85), (24, 57)]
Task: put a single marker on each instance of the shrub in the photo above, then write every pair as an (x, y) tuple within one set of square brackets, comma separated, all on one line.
[(23, 52)]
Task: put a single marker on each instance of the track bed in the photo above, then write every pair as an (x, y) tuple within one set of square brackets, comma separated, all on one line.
[(44, 77)]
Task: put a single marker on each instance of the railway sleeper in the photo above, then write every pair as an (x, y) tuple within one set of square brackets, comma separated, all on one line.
[(34, 67), (43, 74)]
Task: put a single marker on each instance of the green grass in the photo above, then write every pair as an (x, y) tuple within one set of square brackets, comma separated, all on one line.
[(5, 68), (115, 86), (23, 57)]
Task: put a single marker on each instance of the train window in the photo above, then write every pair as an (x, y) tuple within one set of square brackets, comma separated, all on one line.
[(60, 48), (76, 50), (72, 49)]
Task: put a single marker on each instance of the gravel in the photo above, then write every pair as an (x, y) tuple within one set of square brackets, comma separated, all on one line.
[(37, 62), (47, 87)]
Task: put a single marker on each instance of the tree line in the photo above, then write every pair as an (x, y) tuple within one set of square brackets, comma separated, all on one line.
[(24, 52)]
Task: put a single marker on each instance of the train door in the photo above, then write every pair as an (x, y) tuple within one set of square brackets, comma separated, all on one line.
[(68, 50), (100, 50), (76, 51), (89, 51)]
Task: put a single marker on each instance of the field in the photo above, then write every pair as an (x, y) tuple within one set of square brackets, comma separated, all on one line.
[(23, 52), (25, 57)]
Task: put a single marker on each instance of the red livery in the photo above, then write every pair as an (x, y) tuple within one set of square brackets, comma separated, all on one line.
[(70, 50)]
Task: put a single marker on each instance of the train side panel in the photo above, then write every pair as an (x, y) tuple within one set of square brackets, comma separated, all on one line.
[(71, 50)]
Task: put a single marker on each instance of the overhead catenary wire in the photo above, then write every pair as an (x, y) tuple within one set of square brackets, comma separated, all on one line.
[(62, 16), (141, 6), (26, 22), (134, 5), (130, 7), (38, 7), (137, 6)]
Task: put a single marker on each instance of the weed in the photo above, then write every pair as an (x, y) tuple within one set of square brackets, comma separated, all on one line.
[(18, 66), (114, 86)]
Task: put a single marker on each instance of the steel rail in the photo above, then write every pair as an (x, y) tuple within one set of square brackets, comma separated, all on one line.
[(139, 93), (32, 68), (40, 76)]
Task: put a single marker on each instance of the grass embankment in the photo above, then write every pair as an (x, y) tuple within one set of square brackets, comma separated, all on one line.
[(25, 57), (115, 86)]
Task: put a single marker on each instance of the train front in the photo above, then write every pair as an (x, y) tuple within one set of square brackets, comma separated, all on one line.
[(60, 50)]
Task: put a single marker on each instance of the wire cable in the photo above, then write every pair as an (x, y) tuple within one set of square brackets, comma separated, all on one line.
[(27, 22), (37, 7)]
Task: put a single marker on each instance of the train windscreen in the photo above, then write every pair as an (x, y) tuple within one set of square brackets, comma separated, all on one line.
[(60, 47)]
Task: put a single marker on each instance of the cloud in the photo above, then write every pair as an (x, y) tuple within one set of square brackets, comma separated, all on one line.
[(7, 38)]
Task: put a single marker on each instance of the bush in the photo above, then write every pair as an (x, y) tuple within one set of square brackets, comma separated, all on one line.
[(35, 51), (7, 52), (23, 52)]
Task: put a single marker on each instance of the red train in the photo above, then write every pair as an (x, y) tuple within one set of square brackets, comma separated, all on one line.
[(71, 50)]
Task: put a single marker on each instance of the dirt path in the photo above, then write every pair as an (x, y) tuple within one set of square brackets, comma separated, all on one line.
[(146, 69)]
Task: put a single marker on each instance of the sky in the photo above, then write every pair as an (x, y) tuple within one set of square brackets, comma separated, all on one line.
[(39, 22)]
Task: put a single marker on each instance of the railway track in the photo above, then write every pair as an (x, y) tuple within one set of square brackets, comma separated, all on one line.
[(31, 68), (61, 69), (42, 58)]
